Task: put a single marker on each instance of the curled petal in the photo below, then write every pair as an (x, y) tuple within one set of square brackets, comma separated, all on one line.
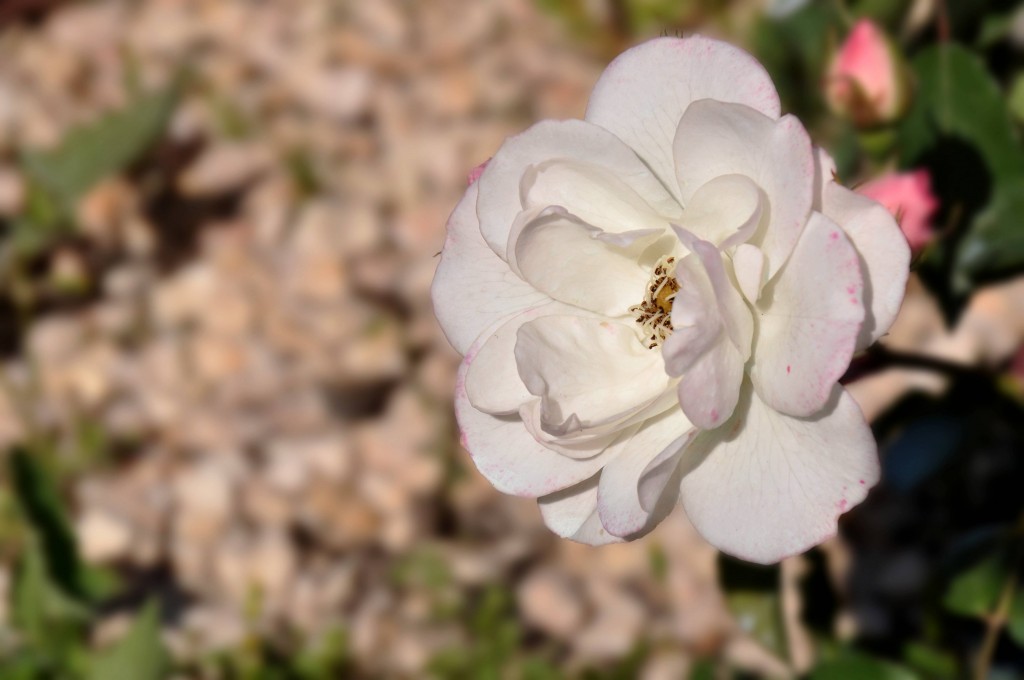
[(572, 513), (493, 384), (504, 451), (619, 504), (766, 485), (576, 263), (587, 371), (725, 211), (592, 192)]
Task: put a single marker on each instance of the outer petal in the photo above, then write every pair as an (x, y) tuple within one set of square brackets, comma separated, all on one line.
[(644, 92), (499, 200), (506, 454), (618, 498), (572, 513), (568, 260), (587, 371), (770, 486), (473, 287), (884, 255), (715, 138), (824, 172), (810, 316)]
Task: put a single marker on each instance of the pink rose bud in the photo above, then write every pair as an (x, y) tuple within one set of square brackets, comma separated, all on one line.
[(866, 81), (908, 196)]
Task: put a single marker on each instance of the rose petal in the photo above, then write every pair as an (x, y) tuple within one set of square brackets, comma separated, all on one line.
[(618, 500), (644, 92), (710, 388), (576, 140), (504, 451), (587, 371), (706, 264), (884, 255), (712, 335), (715, 138), (473, 287), (566, 258), (824, 172), (768, 486), (492, 379), (594, 193), (748, 264), (725, 211), (572, 513), (809, 319)]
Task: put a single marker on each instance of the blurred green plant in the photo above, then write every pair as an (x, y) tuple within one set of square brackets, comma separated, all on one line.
[(59, 177)]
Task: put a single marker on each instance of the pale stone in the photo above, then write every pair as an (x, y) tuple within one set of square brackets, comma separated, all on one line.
[(101, 212), (615, 628), (549, 600), (666, 665), (102, 537), (339, 93), (225, 167), (12, 191)]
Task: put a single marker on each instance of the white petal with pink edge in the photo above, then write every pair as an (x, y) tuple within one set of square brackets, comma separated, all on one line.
[(473, 287), (619, 504), (884, 255), (809, 318), (767, 486)]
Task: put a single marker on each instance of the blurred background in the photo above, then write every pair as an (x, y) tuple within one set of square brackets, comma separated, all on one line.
[(225, 407)]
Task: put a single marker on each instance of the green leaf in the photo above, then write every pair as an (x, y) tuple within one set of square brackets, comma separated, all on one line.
[(752, 592), (956, 96), (994, 243), (1016, 98), (975, 591), (39, 500), (139, 655), (39, 608), (857, 666), (931, 662), (1015, 623), (101, 148)]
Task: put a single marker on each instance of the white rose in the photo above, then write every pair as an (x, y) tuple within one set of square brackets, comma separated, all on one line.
[(655, 304)]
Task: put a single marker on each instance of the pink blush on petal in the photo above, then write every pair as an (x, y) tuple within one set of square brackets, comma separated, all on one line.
[(475, 173)]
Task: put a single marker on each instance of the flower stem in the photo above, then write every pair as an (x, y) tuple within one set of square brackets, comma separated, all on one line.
[(879, 357), (997, 620)]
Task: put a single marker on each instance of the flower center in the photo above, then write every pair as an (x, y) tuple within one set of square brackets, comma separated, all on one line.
[(654, 314)]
